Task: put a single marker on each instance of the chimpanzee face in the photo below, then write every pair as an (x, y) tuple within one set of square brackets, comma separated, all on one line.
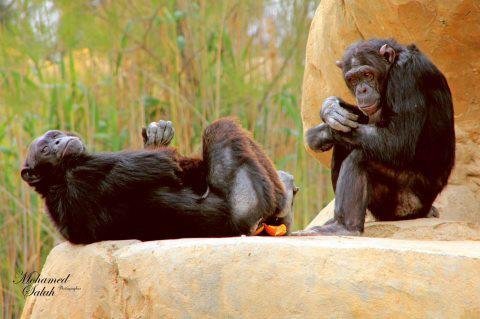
[(365, 71), (47, 151), (362, 80)]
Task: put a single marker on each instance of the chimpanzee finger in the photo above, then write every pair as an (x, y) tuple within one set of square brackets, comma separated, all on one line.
[(151, 132), (345, 121), (334, 124), (346, 113), (168, 134), (161, 126)]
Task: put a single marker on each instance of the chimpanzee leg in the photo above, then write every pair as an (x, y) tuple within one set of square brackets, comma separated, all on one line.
[(351, 196), (340, 153), (351, 200), (320, 138), (234, 172)]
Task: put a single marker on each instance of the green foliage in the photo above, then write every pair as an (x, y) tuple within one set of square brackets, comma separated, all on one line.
[(106, 68)]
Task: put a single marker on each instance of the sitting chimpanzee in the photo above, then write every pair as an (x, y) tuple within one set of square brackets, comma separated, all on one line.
[(156, 193), (397, 156)]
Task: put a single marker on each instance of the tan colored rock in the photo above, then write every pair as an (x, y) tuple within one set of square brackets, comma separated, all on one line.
[(92, 268), (460, 200), (327, 213), (424, 229), (323, 216), (260, 277), (418, 229), (447, 31)]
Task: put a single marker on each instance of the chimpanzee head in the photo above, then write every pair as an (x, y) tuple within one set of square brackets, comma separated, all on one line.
[(365, 66), (46, 152)]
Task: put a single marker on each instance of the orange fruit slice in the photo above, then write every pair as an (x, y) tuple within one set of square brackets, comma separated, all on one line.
[(279, 230)]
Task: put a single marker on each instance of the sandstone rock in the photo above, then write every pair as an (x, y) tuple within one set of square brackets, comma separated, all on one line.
[(461, 198), (93, 270), (327, 213), (323, 216), (447, 31), (419, 229), (259, 277)]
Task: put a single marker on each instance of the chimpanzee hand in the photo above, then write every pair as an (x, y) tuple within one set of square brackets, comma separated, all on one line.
[(158, 134), (337, 117)]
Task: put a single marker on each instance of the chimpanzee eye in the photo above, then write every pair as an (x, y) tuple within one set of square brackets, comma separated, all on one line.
[(368, 75), (353, 81), (44, 150)]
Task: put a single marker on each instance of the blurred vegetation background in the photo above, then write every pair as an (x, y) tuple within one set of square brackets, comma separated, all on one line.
[(105, 68)]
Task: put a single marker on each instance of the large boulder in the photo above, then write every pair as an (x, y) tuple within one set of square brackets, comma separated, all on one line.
[(255, 277), (447, 31)]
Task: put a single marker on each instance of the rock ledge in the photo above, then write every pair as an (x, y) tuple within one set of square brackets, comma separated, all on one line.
[(261, 277)]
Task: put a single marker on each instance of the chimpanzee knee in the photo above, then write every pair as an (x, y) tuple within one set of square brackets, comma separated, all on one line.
[(239, 169)]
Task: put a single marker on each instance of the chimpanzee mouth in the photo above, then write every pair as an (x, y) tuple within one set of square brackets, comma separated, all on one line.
[(73, 145), (369, 109)]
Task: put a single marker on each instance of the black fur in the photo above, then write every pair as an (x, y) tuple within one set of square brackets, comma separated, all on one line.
[(94, 197), (398, 164), (146, 195)]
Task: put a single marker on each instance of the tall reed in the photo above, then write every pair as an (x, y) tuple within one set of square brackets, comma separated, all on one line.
[(106, 68)]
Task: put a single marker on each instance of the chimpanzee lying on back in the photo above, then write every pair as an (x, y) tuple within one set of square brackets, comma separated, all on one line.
[(157, 193)]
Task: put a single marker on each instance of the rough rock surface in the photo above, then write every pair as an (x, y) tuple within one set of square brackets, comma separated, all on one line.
[(255, 277), (448, 32), (419, 229)]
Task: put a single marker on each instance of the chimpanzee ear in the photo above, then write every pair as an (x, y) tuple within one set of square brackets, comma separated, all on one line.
[(388, 53), (30, 176), (339, 64)]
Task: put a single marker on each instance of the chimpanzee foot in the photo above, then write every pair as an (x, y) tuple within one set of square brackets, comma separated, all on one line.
[(433, 213), (158, 134), (331, 229)]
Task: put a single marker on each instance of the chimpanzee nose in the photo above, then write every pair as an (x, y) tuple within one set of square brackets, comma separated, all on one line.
[(362, 91)]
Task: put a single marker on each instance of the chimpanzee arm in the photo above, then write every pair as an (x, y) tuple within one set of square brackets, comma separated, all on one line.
[(337, 115), (396, 142), (143, 168)]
